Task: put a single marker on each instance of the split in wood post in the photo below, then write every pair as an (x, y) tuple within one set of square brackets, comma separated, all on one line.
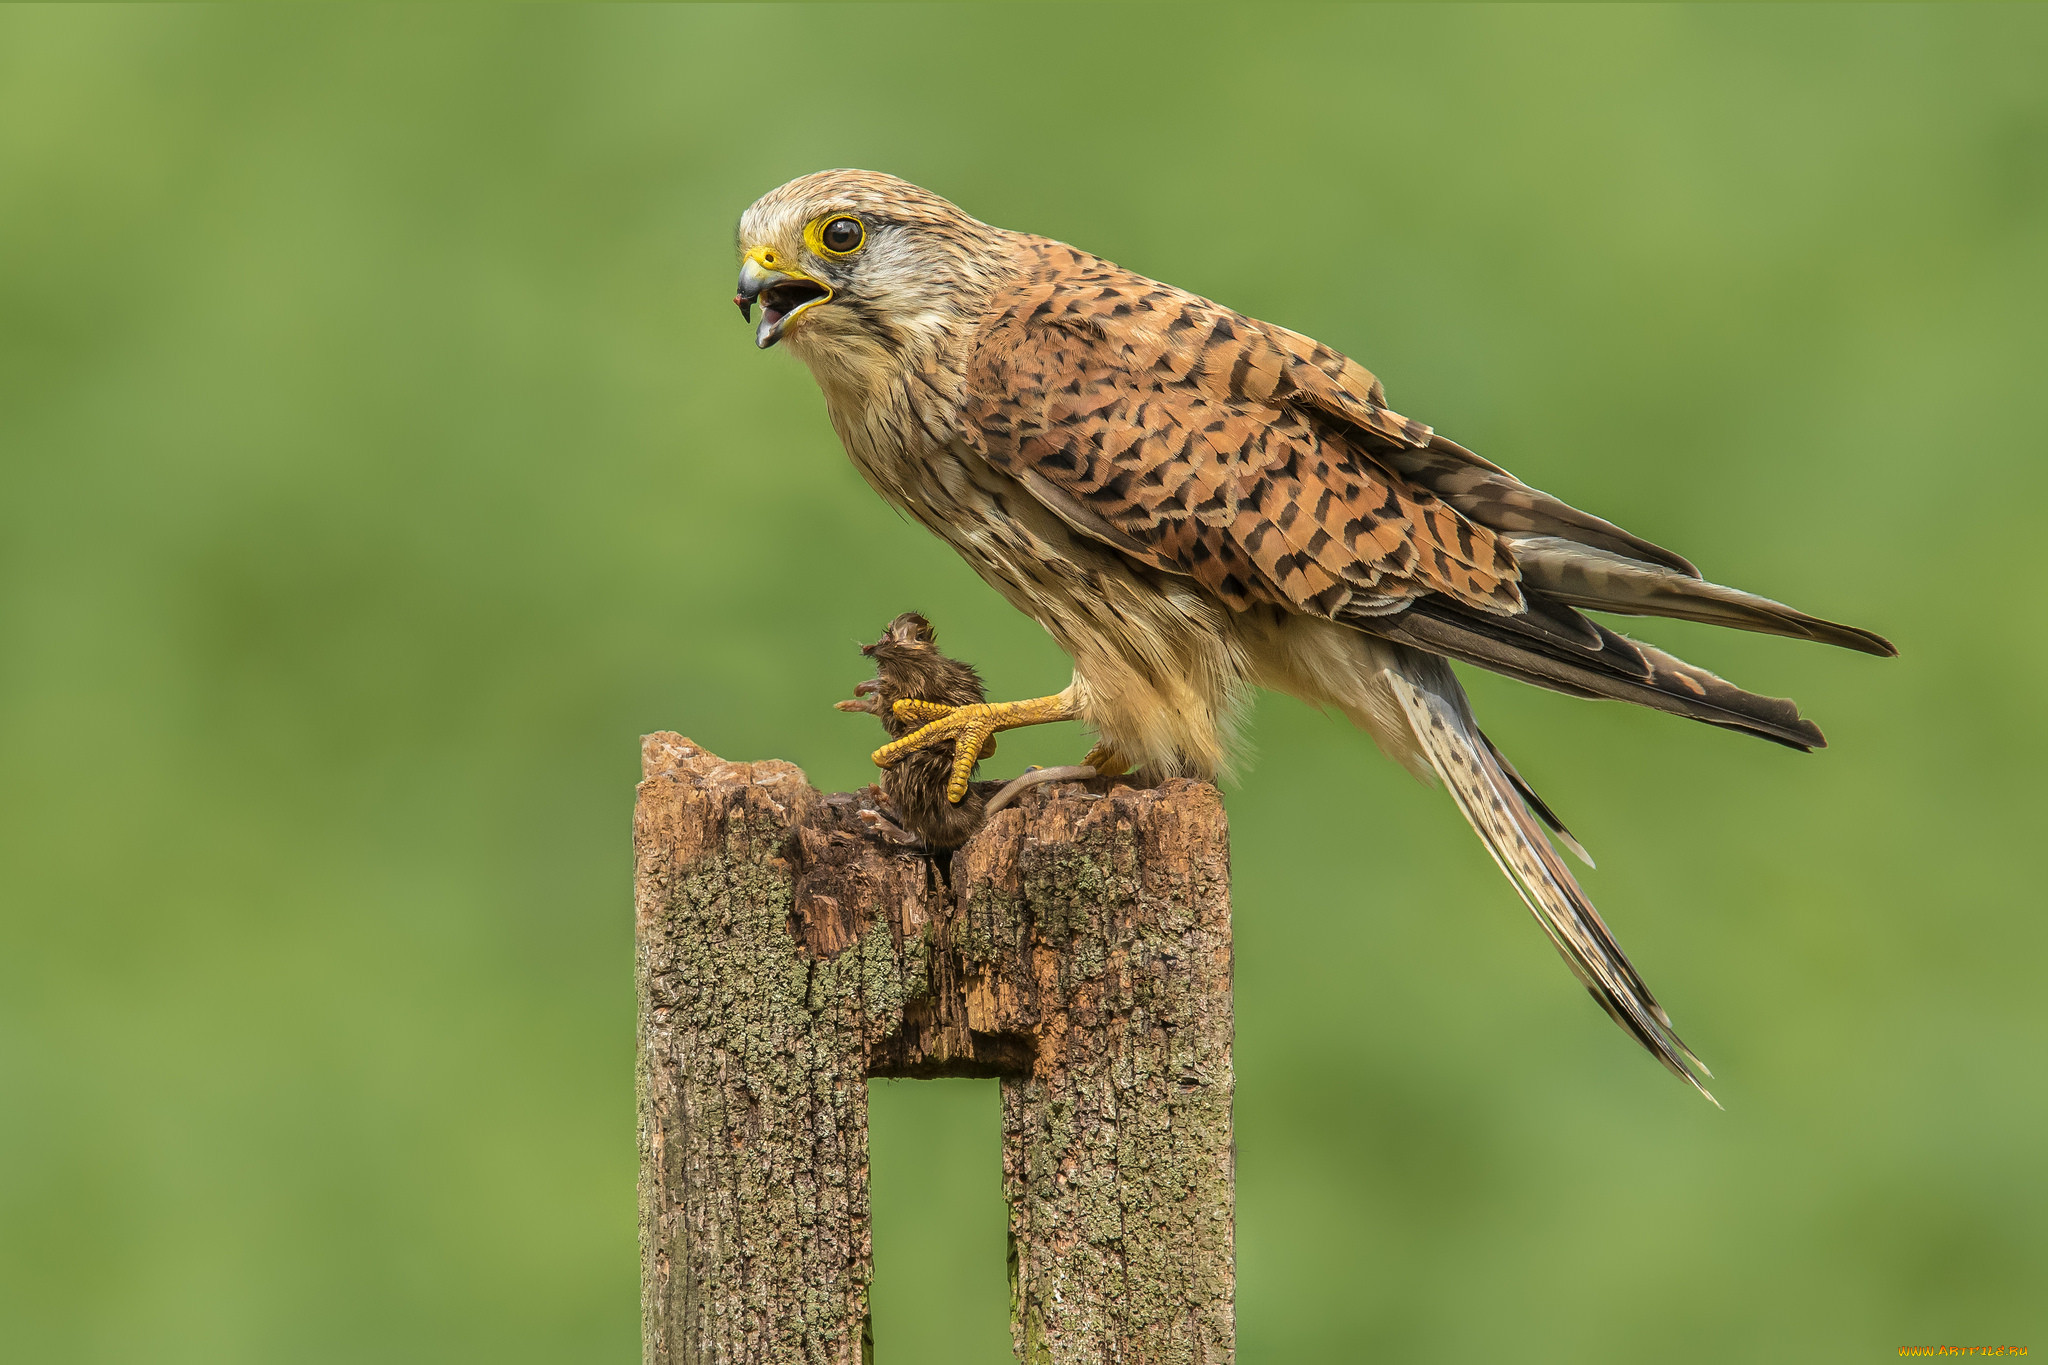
[(1081, 953)]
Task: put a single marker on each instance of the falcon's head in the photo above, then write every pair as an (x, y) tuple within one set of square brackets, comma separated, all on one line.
[(859, 267)]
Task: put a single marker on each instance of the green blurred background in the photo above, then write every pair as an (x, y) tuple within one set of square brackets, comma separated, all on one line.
[(380, 455)]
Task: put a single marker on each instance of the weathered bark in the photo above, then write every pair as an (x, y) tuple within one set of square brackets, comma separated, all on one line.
[(1081, 952)]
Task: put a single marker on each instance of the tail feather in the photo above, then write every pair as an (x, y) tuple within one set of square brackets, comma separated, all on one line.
[(1498, 804), (1536, 804)]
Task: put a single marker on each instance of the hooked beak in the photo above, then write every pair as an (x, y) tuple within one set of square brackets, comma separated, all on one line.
[(782, 294)]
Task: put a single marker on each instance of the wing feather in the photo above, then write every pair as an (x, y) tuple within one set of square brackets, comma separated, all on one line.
[(1598, 579), (1268, 468), (1161, 415)]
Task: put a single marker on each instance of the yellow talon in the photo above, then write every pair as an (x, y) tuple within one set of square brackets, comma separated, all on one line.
[(972, 729), (927, 711)]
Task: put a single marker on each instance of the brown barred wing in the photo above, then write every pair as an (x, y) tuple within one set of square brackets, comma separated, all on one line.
[(1570, 557), (1160, 423)]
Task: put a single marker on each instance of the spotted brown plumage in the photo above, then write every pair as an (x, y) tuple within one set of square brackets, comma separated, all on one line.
[(1195, 504), (1211, 445)]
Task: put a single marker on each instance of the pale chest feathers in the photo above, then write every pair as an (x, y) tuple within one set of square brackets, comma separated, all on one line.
[(1159, 665), (902, 436)]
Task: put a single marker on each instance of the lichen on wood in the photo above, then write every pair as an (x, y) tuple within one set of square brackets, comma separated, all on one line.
[(1078, 947)]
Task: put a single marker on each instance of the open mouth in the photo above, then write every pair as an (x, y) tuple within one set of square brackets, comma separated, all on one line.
[(781, 293), (782, 301)]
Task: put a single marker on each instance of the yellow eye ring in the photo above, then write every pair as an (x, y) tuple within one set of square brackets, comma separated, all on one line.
[(840, 235)]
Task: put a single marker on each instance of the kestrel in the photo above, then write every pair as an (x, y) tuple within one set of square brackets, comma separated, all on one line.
[(1195, 504)]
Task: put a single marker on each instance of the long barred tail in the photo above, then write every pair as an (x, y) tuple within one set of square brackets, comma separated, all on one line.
[(1491, 796)]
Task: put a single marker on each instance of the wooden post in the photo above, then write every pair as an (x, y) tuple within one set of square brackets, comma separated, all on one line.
[(1081, 953)]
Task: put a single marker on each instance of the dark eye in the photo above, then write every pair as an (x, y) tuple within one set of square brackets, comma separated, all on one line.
[(842, 235)]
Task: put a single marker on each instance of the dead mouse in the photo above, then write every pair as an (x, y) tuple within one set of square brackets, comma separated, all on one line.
[(909, 667)]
